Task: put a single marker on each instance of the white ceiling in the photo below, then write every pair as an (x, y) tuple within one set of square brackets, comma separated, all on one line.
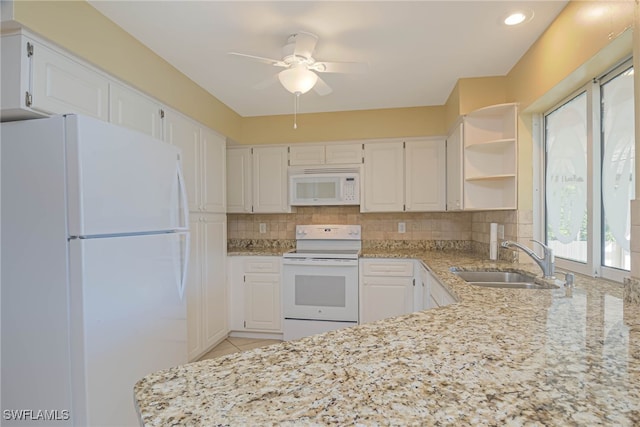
[(416, 50)]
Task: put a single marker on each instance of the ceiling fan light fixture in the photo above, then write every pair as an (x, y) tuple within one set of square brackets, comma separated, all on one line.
[(298, 79)]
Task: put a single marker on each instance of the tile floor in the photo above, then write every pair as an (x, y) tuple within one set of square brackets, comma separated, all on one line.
[(235, 345)]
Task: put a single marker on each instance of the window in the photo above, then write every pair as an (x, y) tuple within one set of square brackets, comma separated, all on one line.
[(589, 145)]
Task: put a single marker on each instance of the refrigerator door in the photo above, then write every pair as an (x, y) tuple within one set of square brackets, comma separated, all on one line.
[(129, 312), (121, 181)]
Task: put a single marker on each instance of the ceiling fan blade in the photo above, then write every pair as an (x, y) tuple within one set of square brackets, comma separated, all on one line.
[(266, 83), (341, 67), (274, 62), (322, 88), (305, 44)]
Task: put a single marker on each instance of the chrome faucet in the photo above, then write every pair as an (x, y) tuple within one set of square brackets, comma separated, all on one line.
[(546, 263)]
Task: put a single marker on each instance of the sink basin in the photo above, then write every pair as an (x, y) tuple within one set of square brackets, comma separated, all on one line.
[(501, 279)]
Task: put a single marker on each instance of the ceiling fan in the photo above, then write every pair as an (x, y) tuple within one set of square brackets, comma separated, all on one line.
[(300, 67)]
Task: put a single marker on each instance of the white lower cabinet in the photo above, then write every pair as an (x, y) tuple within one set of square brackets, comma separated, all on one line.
[(206, 285), (262, 302), (389, 287), (255, 294), (434, 294), (386, 289), (439, 296)]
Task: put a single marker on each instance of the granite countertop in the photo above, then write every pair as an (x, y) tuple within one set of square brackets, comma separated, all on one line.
[(251, 247), (496, 357)]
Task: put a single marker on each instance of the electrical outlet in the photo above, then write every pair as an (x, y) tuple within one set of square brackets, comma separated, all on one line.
[(501, 231), (402, 227), (263, 228)]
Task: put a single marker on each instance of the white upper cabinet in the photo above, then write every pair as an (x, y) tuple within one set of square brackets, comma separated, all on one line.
[(341, 154), (15, 76), (270, 193), (425, 172), (257, 180), (405, 176), (329, 154), (454, 168), (133, 110), (491, 158), (239, 194), (302, 155), (185, 134), (203, 162), (37, 79), (214, 174), (383, 177)]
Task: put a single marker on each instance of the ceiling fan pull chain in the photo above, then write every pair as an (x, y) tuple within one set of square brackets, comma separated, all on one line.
[(296, 99)]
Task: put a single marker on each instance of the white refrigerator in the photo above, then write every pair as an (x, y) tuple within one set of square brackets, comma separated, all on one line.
[(94, 261)]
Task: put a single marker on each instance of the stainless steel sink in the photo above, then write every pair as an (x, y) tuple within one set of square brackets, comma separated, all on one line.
[(501, 279)]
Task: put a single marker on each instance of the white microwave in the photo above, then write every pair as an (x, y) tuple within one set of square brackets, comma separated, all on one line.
[(324, 187)]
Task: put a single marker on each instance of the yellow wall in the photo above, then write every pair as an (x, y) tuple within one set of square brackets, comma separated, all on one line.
[(584, 40), (578, 44), (81, 29), (345, 125)]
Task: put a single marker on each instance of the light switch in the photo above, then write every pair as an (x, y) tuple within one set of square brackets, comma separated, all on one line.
[(402, 227), (263, 228)]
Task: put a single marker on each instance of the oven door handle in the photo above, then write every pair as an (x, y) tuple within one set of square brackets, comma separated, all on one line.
[(321, 262)]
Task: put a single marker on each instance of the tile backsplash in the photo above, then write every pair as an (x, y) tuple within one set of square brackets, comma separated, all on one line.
[(437, 226), (375, 226)]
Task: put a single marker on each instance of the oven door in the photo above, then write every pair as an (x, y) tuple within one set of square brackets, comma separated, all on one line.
[(320, 289)]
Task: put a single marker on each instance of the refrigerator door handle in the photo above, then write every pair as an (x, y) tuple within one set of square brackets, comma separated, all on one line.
[(183, 199), (182, 281)]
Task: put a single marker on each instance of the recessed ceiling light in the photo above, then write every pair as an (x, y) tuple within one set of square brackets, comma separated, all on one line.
[(515, 18), (518, 17)]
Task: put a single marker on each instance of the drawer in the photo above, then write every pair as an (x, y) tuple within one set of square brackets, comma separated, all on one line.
[(262, 265), (388, 268)]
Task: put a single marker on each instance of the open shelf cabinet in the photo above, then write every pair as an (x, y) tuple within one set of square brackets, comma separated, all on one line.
[(491, 158)]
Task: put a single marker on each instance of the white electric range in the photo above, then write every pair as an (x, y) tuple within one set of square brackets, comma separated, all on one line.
[(320, 280)]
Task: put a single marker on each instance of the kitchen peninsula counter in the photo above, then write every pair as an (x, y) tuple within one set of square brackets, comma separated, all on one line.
[(497, 356)]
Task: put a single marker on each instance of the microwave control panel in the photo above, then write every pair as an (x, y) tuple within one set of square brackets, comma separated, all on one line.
[(349, 189)]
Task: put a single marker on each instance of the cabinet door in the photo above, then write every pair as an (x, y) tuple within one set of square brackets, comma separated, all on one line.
[(194, 291), (383, 177), (214, 295), (306, 155), (62, 86), (425, 175), (439, 295), (213, 171), (185, 134), (239, 194), (133, 110), (454, 169), (262, 302), (384, 297), (425, 297), (343, 154), (270, 180), (15, 77)]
